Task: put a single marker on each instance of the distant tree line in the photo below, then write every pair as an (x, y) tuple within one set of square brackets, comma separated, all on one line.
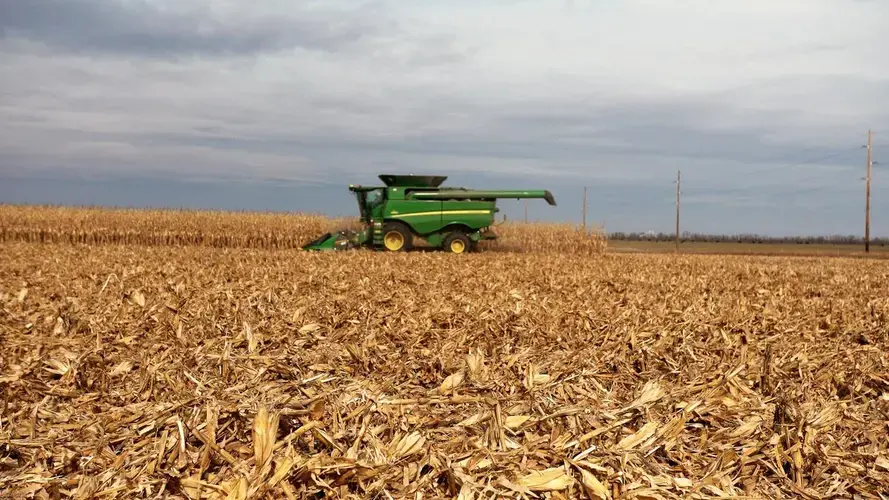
[(746, 238)]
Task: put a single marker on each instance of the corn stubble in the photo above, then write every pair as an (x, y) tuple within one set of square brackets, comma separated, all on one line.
[(193, 372)]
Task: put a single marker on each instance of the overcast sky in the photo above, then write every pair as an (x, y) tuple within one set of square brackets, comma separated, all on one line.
[(764, 105)]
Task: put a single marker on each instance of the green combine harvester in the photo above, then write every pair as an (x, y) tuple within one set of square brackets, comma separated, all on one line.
[(415, 207)]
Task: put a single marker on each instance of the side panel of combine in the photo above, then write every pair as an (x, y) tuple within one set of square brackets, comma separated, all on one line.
[(424, 216), (474, 214)]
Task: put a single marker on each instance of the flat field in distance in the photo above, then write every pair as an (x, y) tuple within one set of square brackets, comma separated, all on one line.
[(733, 248), (192, 371)]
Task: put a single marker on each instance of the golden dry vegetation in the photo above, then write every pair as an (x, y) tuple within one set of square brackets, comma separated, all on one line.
[(146, 371), (101, 226), (545, 238), (95, 226)]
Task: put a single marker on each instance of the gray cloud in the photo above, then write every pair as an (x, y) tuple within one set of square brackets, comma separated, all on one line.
[(144, 28), (333, 92), (412, 129)]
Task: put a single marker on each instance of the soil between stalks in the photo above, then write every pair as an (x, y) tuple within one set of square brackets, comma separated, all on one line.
[(185, 372)]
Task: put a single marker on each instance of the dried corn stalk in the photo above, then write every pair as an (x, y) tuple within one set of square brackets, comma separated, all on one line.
[(415, 375)]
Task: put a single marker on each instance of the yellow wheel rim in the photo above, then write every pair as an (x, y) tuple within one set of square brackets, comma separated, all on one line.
[(393, 241), (457, 246)]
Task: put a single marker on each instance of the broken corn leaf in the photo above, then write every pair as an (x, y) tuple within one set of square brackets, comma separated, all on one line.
[(406, 446), (121, 368), (138, 298), (516, 421), (682, 482), (592, 485), (265, 430), (466, 493), (475, 362), (238, 490), (57, 367), (640, 436), (311, 327), (282, 469), (554, 479), (747, 427), (252, 340), (651, 392), (452, 382), (473, 420), (473, 464)]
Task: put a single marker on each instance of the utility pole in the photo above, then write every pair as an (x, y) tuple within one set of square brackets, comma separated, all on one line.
[(678, 194), (526, 211), (584, 209), (867, 198)]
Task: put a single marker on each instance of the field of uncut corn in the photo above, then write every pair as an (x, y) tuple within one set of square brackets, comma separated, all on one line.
[(102, 226), (134, 371)]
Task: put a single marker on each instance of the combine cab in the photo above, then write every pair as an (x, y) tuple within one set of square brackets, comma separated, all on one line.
[(412, 207)]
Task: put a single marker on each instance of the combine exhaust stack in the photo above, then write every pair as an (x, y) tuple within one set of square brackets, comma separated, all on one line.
[(412, 207)]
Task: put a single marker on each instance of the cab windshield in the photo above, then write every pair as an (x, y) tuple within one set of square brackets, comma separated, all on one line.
[(373, 198), (367, 201)]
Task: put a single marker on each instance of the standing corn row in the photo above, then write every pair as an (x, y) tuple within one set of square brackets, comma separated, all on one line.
[(97, 226), (549, 238)]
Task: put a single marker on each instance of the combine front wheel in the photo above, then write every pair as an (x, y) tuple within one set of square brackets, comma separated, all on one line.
[(396, 237), (457, 242)]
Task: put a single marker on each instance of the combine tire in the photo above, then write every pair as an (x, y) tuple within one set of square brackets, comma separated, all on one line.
[(457, 242), (396, 237)]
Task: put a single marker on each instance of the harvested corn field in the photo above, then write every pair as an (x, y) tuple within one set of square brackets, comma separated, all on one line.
[(132, 371)]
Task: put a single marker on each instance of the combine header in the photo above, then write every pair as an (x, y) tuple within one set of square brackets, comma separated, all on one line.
[(412, 207)]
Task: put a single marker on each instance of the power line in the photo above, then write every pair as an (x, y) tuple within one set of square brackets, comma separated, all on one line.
[(835, 179), (791, 165), (805, 162)]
